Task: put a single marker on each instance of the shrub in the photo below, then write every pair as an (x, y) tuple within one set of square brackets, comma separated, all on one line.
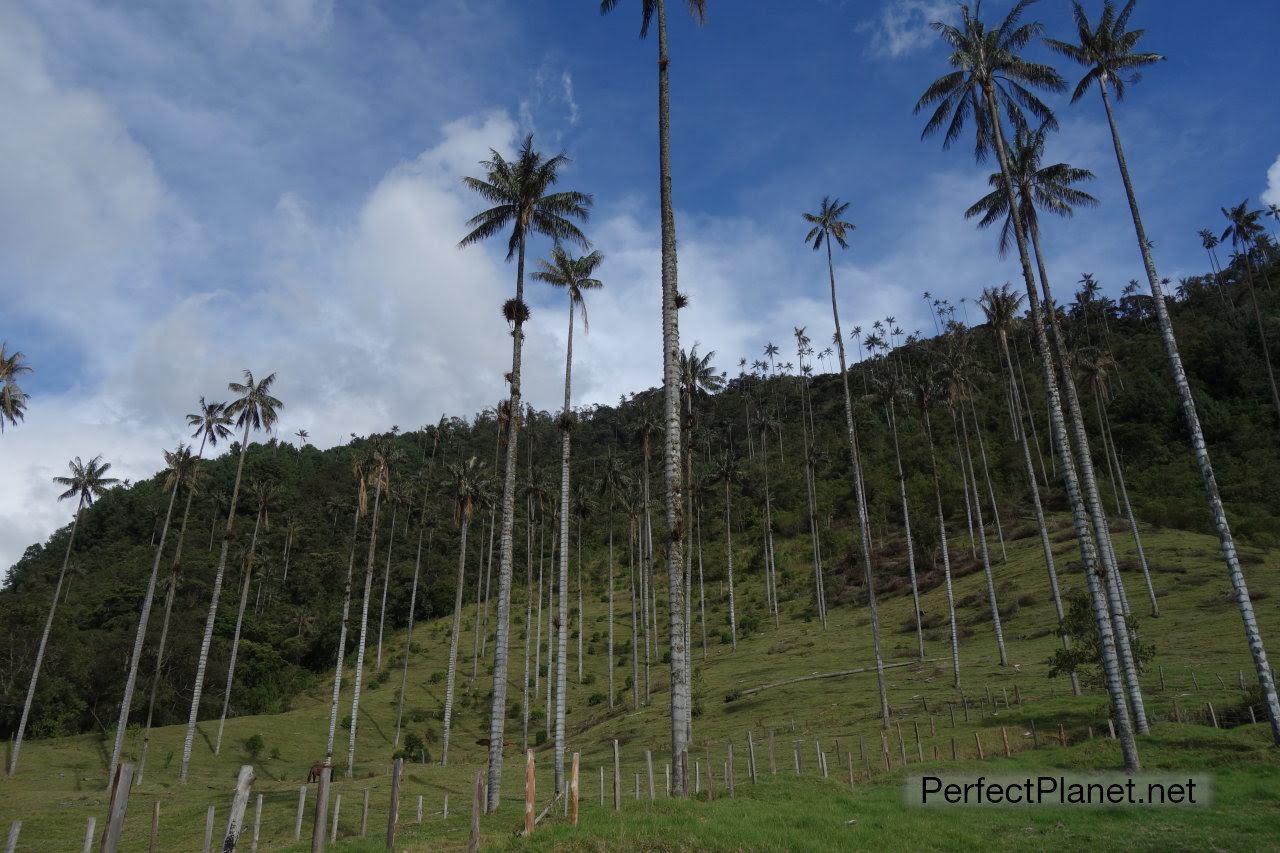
[(254, 744)]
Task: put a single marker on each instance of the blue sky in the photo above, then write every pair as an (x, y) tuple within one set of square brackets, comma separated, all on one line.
[(191, 188)]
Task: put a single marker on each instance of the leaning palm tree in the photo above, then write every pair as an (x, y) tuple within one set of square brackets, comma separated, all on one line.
[(469, 484), (254, 408), (13, 400), (576, 277), (827, 226), (86, 483), (1001, 308), (1109, 52), (264, 494), (681, 698), (990, 76), (211, 425), (179, 463), (520, 193), (726, 473)]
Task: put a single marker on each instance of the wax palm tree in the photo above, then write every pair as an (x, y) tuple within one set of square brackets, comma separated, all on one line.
[(520, 191), (681, 698), (698, 376), (1210, 241), (264, 494), (613, 483), (468, 485), (1001, 307), (1244, 229), (809, 453), (303, 435), (382, 455), (726, 473), (179, 463), (397, 497), (1109, 53), (13, 400), (254, 408), (88, 481), (990, 77), (828, 225)]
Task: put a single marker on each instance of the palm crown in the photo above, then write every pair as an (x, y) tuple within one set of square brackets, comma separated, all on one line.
[(573, 274), (518, 190), (1244, 224), (1107, 50), (987, 61), (13, 400), (1047, 187), (827, 224), (254, 406), (87, 481), (1001, 307), (210, 422)]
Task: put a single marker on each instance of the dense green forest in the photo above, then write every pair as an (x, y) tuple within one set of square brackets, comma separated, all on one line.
[(753, 420)]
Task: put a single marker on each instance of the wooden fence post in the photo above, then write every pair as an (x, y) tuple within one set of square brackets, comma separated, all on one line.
[(530, 791), (1017, 694), (89, 827), (902, 744), (337, 812), (208, 830), (666, 773), (617, 778), (849, 756), (817, 753), (419, 808), (364, 815), (796, 749), (953, 749), (965, 699), (1253, 718), (445, 814), (711, 781), (637, 787), (977, 738), (11, 843), (318, 825), (862, 753), (573, 792), (1062, 734), (728, 771), (239, 802), (602, 785), (648, 766), (1111, 727), (297, 824), (477, 795), (933, 731), (919, 745), (155, 827), (697, 776), (1212, 715), (1242, 687), (1035, 736), (1161, 679), (116, 808), (773, 766), (1004, 736), (393, 815), (751, 756), (257, 824), (1177, 713), (1194, 681)]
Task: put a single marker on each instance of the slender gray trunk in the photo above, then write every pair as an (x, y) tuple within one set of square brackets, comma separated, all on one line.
[(992, 601), (906, 522), (386, 582), (364, 627), (235, 637), (452, 669), (562, 634), (946, 554), (408, 636), (342, 638), (986, 473), (728, 551)]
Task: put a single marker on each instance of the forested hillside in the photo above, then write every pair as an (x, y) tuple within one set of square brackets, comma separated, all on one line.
[(752, 430)]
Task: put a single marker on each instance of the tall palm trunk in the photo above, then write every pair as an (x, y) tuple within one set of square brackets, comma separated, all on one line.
[(161, 644), (702, 595), (386, 582), (408, 635), (771, 566), (646, 577), (610, 651), (1102, 619), (364, 627), (342, 635), (44, 642), (476, 625), (1253, 636), (986, 473), (579, 601), (1122, 495), (488, 585), (501, 643), (906, 522), (728, 553), (528, 605), (126, 703), (454, 633), (562, 637), (810, 496), (235, 637), (1046, 545), (946, 554), (680, 687), (1113, 584), (864, 526), (992, 601), (635, 629), (203, 660)]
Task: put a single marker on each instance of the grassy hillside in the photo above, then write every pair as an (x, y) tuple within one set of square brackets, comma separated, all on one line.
[(62, 781)]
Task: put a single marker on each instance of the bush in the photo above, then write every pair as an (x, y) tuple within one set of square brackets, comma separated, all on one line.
[(415, 749), (254, 744), (437, 677), (539, 737), (596, 698)]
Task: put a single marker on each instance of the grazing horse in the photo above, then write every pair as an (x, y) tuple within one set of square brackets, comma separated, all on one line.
[(313, 775)]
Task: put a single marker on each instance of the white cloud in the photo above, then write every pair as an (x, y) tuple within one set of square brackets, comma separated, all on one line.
[(1271, 195), (903, 26), (288, 20)]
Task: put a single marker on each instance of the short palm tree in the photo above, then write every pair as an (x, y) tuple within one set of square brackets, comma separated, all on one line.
[(681, 697), (13, 400), (990, 81), (468, 485), (87, 482), (576, 277), (520, 192), (828, 225), (1109, 53), (255, 408)]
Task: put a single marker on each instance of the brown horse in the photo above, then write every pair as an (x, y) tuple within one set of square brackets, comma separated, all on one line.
[(313, 775)]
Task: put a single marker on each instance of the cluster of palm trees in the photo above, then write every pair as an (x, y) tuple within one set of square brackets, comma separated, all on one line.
[(13, 400)]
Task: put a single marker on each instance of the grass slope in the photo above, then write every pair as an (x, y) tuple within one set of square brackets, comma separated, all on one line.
[(62, 782)]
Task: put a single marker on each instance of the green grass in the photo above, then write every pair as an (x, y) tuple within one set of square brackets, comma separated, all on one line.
[(62, 782)]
